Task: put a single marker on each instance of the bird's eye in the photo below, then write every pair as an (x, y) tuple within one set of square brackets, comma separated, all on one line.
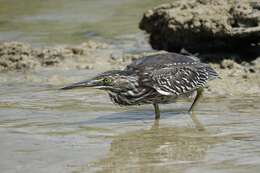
[(107, 81)]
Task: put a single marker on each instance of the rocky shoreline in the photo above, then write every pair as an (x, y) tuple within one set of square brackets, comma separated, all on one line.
[(22, 56), (172, 27), (236, 79), (206, 26)]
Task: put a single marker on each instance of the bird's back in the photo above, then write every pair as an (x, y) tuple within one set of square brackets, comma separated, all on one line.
[(172, 73), (161, 60)]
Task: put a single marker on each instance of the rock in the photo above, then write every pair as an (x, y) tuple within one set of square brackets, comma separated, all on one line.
[(16, 56), (21, 56), (204, 25), (229, 64), (256, 64), (124, 59)]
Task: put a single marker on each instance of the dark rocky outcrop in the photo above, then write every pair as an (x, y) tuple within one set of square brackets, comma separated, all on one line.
[(205, 26)]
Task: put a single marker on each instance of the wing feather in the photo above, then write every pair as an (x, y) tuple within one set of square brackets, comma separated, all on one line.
[(177, 80), (171, 73)]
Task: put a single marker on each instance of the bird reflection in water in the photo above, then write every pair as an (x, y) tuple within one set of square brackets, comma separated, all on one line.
[(158, 149)]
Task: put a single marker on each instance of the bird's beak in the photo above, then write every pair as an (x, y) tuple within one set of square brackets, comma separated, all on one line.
[(83, 84)]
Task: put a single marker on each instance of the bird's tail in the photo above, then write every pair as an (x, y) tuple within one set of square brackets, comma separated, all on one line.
[(212, 73)]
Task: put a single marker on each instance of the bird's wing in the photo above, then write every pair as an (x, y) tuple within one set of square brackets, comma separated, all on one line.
[(160, 61), (177, 79)]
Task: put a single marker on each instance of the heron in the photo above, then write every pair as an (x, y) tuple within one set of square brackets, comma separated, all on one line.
[(154, 79)]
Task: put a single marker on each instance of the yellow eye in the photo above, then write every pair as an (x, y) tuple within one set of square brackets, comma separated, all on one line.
[(107, 81)]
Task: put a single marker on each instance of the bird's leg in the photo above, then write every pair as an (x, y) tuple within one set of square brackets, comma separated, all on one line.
[(157, 111), (197, 123), (156, 124), (198, 96)]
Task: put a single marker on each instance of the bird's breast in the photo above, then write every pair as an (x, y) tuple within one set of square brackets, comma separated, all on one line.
[(131, 97), (145, 96)]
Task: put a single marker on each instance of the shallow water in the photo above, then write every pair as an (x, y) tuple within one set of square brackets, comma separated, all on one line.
[(43, 129), (71, 22)]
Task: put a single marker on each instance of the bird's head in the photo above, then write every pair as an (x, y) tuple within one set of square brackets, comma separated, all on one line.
[(115, 80)]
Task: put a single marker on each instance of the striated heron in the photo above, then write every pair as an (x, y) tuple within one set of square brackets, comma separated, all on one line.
[(155, 79)]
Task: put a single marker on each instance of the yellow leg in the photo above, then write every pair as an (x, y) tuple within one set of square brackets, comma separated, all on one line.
[(198, 96), (157, 111)]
